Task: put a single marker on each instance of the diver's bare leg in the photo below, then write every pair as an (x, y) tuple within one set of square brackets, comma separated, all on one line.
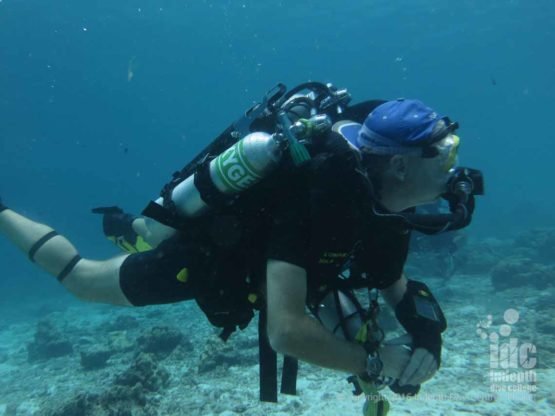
[(95, 281)]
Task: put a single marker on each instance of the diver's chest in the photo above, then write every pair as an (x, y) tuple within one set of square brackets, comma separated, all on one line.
[(335, 229)]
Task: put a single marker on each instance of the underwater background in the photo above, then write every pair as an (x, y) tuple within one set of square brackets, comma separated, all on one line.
[(101, 101)]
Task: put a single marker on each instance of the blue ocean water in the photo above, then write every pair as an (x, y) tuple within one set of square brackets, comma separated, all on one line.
[(78, 130), (101, 101)]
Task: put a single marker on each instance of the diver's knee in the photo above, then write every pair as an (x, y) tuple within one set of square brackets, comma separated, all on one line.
[(54, 254)]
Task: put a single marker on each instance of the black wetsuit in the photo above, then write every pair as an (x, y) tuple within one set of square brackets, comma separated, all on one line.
[(316, 217)]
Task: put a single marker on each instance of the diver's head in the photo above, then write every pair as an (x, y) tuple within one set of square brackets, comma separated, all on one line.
[(410, 152)]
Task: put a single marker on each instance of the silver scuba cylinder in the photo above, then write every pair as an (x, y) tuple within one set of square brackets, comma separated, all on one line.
[(238, 168), (340, 315)]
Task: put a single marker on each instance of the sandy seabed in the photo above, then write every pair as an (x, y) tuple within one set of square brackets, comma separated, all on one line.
[(200, 375)]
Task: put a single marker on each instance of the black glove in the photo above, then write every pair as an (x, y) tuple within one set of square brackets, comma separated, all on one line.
[(117, 223), (429, 341), (406, 390), (118, 227), (421, 316)]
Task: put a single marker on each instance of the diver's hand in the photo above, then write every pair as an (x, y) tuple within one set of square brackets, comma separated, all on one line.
[(408, 367), (117, 223), (395, 359), (395, 355), (421, 367)]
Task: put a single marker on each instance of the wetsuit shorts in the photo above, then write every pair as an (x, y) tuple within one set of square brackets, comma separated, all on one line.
[(161, 275)]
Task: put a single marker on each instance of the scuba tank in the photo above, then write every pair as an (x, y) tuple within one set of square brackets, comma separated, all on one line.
[(235, 170), (239, 158), (340, 313)]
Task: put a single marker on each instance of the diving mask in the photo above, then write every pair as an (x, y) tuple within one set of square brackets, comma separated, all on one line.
[(448, 151)]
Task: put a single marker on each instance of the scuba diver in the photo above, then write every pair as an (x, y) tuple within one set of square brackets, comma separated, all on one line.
[(303, 202)]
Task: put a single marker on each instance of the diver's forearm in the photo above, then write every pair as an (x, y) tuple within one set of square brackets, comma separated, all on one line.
[(394, 293), (309, 341), (152, 231)]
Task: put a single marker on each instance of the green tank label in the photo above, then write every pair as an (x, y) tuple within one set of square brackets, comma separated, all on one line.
[(234, 169)]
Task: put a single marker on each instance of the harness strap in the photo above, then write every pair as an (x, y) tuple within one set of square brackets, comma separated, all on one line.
[(206, 188), (289, 375), (41, 241), (161, 214), (168, 214), (268, 366), (267, 363)]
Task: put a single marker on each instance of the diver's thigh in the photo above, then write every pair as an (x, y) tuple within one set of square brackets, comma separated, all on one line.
[(98, 281), (162, 275)]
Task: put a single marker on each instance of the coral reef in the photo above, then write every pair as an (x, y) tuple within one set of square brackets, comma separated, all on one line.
[(433, 255), (219, 355), (145, 372), (3, 356), (120, 341), (544, 329), (48, 343), (127, 396), (481, 257), (515, 272), (121, 323), (540, 242), (94, 358), (159, 340)]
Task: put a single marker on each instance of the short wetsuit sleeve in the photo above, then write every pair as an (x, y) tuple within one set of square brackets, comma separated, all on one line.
[(288, 228), (384, 255)]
